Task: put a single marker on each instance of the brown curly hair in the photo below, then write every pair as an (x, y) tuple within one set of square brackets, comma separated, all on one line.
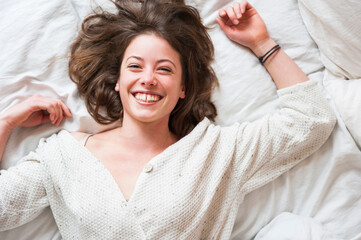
[(98, 50)]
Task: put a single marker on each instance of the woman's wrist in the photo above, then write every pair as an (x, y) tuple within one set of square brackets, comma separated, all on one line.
[(5, 124), (262, 47), (5, 131)]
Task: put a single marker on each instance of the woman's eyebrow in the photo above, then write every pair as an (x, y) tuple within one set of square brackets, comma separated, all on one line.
[(159, 61), (167, 60), (136, 57)]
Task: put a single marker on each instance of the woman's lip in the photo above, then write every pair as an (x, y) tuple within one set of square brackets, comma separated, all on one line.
[(146, 92), (145, 103)]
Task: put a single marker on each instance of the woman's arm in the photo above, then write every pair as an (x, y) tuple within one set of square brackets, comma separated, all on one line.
[(268, 147), (243, 25), (34, 111), (22, 194)]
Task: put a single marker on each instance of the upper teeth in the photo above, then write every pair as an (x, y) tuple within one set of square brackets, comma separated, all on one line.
[(146, 97)]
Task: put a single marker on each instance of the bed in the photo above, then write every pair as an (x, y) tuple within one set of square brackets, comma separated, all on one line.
[(318, 199)]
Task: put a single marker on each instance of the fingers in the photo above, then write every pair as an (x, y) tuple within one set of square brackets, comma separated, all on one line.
[(58, 114), (244, 5), (232, 15), (54, 110), (221, 24), (58, 111), (223, 14), (66, 110)]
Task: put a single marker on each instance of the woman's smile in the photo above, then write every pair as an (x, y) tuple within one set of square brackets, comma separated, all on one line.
[(144, 97)]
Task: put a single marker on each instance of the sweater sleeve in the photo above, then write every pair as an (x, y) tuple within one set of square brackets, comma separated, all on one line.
[(22, 193), (275, 143)]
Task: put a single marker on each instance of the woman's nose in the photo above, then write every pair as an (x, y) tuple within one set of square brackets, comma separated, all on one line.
[(148, 79)]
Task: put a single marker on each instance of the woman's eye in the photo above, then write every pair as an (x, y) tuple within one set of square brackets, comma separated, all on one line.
[(165, 69), (133, 66)]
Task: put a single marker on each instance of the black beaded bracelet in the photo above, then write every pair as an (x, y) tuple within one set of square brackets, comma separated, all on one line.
[(264, 58)]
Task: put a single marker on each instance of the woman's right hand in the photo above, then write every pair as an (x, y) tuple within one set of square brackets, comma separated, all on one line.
[(34, 111)]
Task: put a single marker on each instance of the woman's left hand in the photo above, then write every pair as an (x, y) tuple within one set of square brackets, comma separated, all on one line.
[(242, 24)]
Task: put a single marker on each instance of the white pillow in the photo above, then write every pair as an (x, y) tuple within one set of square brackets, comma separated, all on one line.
[(336, 28)]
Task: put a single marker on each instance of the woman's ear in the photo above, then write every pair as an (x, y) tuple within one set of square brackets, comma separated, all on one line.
[(117, 88), (183, 92)]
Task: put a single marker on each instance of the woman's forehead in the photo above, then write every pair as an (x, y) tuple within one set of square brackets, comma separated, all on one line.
[(147, 46)]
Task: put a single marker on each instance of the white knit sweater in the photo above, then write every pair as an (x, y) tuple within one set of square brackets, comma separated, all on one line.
[(192, 190)]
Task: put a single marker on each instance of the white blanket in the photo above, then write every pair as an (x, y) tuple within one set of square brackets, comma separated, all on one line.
[(325, 188)]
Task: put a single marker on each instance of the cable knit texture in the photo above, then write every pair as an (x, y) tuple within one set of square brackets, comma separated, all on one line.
[(192, 190)]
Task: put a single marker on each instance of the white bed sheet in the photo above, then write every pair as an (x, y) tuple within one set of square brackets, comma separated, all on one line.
[(35, 36)]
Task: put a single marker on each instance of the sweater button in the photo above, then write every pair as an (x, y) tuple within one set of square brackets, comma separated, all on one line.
[(148, 168)]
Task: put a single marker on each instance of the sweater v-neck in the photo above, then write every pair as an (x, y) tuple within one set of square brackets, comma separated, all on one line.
[(155, 162)]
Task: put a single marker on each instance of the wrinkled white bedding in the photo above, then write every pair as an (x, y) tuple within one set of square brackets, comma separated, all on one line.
[(335, 27), (325, 188)]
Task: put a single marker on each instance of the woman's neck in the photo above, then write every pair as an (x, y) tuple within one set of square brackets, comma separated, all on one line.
[(154, 135)]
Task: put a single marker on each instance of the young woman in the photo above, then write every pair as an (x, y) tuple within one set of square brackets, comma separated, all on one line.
[(168, 172)]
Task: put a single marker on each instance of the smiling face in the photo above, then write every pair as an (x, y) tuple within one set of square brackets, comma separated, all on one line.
[(150, 82)]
